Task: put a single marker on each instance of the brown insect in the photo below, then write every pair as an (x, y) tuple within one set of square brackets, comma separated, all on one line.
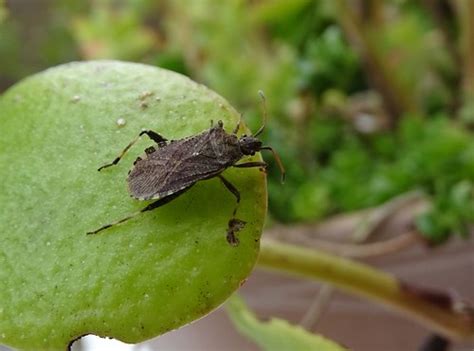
[(170, 168)]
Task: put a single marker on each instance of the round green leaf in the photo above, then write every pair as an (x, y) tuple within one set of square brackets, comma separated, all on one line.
[(136, 280)]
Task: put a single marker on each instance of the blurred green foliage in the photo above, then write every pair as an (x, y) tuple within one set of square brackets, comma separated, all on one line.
[(113, 32), (343, 151)]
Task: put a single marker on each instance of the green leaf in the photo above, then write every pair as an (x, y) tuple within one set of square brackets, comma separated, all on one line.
[(275, 334), (137, 280)]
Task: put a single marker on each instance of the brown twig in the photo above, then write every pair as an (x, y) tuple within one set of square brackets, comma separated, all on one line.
[(396, 100), (442, 14), (373, 221), (317, 308), (361, 226), (444, 17), (468, 49), (380, 248), (376, 218)]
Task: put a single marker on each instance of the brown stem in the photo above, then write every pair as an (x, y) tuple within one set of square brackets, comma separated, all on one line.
[(442, 13), (372, 11), (383, 77), (372, 221), (318, 306), (380, 248), (468, 49), (444, 17), (465, 12)]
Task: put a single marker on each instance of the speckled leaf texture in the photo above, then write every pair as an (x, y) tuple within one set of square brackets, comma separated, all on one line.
[(155, 273)]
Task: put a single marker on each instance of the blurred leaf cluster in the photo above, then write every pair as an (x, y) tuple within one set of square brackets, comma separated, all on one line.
[(113, 32), (364, 100)]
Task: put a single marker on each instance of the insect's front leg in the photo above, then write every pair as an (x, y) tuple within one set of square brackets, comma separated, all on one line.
[(278, 161), (157, 138), (250, 164), (234, 224), (262, 165)]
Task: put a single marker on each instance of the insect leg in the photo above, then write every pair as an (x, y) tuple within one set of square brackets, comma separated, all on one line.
[(152, 206), (262, 165), (234, 224), (157, 138), (250, 164), (278, 161), (237, 127), (151, 134), (233, 190)]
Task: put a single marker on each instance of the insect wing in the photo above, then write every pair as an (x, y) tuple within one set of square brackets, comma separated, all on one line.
[(178, 165)]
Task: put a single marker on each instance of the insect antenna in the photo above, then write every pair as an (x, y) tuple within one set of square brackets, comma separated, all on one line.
[(264, 107), (278, 161)]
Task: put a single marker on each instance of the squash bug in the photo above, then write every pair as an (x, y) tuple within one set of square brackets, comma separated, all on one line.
[(170, 168)]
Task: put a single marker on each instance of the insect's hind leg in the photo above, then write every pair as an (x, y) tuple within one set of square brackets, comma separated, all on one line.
[(152, 206), (234, 224), (157, 138)]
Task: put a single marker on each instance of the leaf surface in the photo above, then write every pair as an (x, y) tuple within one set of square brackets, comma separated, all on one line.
[(152, 274)]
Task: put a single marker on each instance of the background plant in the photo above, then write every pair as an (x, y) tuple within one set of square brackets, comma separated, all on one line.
[(298, 53)]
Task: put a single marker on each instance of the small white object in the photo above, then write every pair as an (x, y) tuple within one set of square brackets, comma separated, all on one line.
[(94, 343), (121, 122)]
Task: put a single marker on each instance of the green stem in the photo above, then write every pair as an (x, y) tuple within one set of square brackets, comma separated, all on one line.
[(367, 282)]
